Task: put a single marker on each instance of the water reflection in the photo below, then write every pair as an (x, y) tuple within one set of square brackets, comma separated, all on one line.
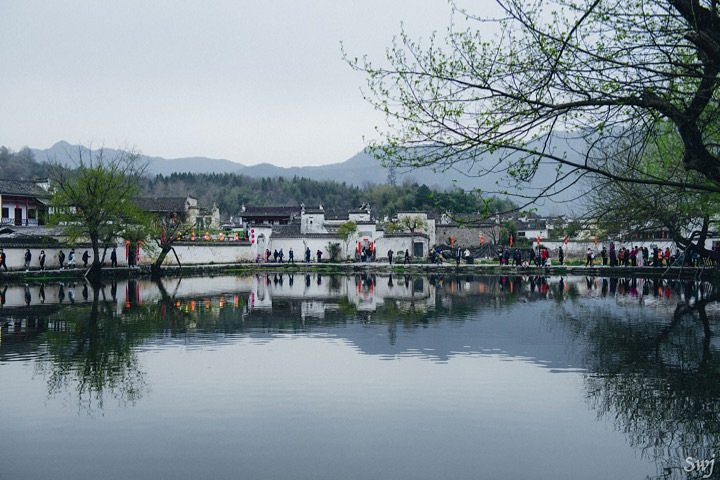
[(647, 348)]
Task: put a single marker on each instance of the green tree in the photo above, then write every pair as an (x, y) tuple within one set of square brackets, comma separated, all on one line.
[(686, 214), (94, 200), (346, 231), (412, 223), (561, 77)]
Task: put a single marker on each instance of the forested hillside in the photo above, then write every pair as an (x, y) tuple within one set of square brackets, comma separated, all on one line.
[(230, 191), (20, 165)]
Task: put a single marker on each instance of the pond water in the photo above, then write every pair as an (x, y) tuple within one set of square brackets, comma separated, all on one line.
[(360, 377)]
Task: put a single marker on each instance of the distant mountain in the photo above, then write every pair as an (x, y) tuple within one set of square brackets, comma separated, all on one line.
[(68, 154), (358, 170)]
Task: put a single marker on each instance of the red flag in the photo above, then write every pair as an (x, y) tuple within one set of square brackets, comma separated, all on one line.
[(566, 240), (538, 239)]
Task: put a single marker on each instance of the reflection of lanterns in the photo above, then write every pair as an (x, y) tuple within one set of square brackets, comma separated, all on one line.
[(206, 237), (221, 236), (510, 242)]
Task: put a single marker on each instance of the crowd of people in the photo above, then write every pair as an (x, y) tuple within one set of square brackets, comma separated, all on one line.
[(60, 257), (635, 256)]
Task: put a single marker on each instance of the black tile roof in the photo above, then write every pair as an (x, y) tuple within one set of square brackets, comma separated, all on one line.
[(23, 188), (270, 211), (162, 204)]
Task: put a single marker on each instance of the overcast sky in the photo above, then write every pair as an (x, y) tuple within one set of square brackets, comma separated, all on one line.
[(247, 80)]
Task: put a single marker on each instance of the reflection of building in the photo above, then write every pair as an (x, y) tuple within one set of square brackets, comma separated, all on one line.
[(24, 203)]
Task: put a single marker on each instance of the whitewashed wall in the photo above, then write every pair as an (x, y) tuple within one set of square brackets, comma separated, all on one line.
[(16, 257), (201, 253)]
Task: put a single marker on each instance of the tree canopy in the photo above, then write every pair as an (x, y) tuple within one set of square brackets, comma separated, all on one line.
[(95, 200), (556, 88)]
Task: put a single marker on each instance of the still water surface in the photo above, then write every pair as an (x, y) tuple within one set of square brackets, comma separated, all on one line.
[(359, 377)]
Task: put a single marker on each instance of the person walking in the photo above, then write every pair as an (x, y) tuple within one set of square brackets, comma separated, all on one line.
[(61, 258), (458, 256), (613, 255), (85, 258), (281, 254), (28, 257), (407, 256), (113, 258), (589, 260), (307, 254), (319, 255), (604, 256), (291, 256), (390, 254), (41, 258), (561, 255), (71, 258), (3, 258)]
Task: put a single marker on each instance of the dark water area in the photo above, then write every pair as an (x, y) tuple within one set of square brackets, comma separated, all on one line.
[(367, 376)]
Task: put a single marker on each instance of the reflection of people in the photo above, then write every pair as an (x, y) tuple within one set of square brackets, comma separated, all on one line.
[(28, 296), (41, 294), (3, 257), (61, 293), (2, 296), (113, 290)]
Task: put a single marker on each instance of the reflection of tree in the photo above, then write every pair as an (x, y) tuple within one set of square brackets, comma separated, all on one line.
[(658, 380), (91, 351)]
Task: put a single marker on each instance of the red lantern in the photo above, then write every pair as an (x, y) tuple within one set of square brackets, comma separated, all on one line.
[(482, 239), (538, 239), (511, 241)]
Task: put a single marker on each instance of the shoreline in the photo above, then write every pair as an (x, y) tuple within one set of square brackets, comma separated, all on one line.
[(211, 269)]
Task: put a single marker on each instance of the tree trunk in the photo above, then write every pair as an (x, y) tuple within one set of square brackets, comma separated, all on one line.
[(156, 267)]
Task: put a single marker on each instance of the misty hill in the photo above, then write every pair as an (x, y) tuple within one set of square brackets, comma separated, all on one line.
[(68, 154), (359, 170)]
